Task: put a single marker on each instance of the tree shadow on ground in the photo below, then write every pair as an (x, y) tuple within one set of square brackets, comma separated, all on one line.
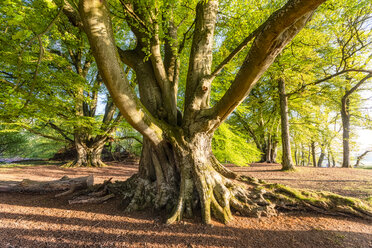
[(42, 221), (90, 233)]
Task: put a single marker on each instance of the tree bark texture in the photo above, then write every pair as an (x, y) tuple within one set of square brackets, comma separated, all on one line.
[(313, 154), (345, 117), (287, 163), (88, 152)]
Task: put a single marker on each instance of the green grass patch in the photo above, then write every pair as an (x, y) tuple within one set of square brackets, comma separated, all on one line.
[(364, 167), (30, 163)]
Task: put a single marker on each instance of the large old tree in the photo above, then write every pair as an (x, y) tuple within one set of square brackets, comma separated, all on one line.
[(177, 169)]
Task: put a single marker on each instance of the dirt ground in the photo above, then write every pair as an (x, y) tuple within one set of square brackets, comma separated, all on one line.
[(42, 221)]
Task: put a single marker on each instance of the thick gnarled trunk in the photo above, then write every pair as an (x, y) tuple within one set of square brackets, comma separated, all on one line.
[(199, 182), (195, 180), (88, 154), (177, 168)]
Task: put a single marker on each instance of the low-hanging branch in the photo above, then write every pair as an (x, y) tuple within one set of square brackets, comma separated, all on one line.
[(60, 131), (360, 157), (34, 131)]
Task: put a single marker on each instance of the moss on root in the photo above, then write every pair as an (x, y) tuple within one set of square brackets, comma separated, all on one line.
[(253, 198), (322, 201)]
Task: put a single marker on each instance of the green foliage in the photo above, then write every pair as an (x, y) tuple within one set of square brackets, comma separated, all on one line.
[(54, 95), (230, 147), (126, 137), (30, 163), (12, 143), (25, 145), (41, 148)]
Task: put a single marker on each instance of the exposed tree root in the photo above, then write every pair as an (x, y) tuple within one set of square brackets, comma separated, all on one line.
[(217, 192), (94, 199), (218, 196), (68, 192), (245, 196), (74, 164), (94, 194)]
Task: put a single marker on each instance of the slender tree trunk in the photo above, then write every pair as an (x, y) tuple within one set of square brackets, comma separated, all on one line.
[(345, 116), (274, 151), (345, 132), (287, 163), (313, 153), (296, 155), (328, 158), (308, 156), (268, 149), (333, 159), (321, 158), (263, 153), (302, 155)]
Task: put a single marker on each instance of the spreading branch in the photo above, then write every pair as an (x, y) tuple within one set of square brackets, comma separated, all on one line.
[(235, 52), (304, 86), (276, 33), (353, 89), (60, 131), (95, 16)]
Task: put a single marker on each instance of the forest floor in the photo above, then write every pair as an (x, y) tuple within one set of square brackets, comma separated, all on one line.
[(28, 220)]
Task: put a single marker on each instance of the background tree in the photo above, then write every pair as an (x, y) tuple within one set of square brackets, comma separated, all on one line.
[(258, 119), (350, 64), (52, 84)]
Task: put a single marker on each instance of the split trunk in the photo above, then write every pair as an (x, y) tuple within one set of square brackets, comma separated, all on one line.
[(88, 153)]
